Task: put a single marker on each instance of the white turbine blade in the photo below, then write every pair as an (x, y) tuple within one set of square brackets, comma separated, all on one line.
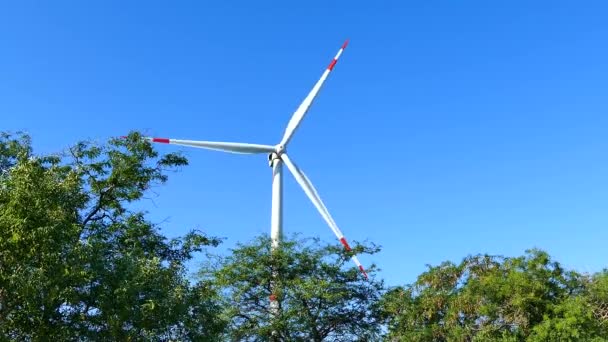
[(314, 197), (218, 145), (298, 115)]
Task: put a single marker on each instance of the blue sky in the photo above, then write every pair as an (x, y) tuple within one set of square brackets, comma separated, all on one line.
[(447, 128)]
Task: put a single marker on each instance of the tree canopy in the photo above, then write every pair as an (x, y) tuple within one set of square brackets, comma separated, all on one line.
[(79, 263), (494, 298), (320, 297)]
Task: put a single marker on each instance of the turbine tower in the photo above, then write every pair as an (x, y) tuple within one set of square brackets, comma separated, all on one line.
[(277, 156)]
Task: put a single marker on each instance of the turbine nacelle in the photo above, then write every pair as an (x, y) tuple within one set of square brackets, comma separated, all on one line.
[(276, 154), (272, 157)]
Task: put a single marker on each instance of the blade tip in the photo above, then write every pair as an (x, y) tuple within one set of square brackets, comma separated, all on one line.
[(363, 271), (161, 140), (345, 44)]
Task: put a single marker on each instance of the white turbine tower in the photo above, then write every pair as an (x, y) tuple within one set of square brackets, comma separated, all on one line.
[(278, 156)]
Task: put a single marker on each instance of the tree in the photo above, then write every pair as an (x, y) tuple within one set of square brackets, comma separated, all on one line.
[(321, 299), (597, 296), (77, 263), (582, 317), (528, 298)]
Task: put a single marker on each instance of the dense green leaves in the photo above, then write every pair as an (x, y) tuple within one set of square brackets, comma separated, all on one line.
[(321, 296), (529, 298), (77, 263)]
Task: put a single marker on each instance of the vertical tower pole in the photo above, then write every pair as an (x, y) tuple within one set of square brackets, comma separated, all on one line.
[(276, 227), (276, 219)]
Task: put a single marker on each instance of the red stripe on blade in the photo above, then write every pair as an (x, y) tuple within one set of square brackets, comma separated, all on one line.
[(161, 140), (343, 240), (332, 64), (362, 270), (344, 45)]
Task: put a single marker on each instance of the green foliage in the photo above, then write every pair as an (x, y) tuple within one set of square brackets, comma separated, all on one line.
[(490, 298), (321, 296), (77, 264), (579, 318)]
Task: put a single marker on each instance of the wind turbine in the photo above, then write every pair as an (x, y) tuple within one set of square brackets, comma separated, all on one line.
[(277, 156)]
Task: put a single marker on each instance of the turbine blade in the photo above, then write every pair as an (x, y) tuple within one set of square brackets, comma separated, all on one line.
[(218, 145), (314, 197), (298, 115)]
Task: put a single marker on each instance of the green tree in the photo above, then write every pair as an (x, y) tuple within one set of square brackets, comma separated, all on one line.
[(322, 298), (582, 317), (491, 298), (78, 263), (597, 296)]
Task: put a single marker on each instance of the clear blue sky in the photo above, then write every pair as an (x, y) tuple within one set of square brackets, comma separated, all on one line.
[(447, 128)]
